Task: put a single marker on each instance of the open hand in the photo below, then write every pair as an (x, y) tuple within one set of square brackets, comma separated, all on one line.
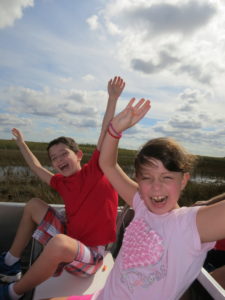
[(18, 135), (131, 114), (115, 87)]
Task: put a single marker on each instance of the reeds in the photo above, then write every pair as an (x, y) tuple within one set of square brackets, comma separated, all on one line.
[(18, 184)]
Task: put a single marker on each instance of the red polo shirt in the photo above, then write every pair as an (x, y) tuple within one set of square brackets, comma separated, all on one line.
[(90, 203)]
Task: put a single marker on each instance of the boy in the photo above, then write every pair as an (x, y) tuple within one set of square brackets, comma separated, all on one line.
[(77, 243)]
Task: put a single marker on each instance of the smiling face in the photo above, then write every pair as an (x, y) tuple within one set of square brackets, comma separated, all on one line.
[(64, 160), (160, 188)]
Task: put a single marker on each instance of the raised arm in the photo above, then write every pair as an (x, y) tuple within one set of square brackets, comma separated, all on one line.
[(212, 200), (115, 88), (30, 158), (211, 222), (108, 156)]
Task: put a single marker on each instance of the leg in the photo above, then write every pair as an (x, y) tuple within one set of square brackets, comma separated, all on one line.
[(60, 248), (34, 212)]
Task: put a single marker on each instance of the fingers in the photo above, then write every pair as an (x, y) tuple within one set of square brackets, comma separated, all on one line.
[(141, 105), (117, 81), (15, 132), (142, 110), (137, 115), (131, 102)]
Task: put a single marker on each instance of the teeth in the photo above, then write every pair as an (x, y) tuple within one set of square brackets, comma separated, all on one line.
[(158, 198), (63, 167)]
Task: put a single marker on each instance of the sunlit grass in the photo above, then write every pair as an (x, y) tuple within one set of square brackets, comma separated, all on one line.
[(21, 185)]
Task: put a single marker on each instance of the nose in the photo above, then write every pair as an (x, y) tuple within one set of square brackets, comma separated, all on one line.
[(58, 159), (156, 185)]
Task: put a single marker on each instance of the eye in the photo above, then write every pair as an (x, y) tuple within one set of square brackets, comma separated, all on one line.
[(168, 177), (146, 178)]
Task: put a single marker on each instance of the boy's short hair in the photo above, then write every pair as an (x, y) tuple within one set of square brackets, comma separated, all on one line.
[(69, 142), (172, 155)]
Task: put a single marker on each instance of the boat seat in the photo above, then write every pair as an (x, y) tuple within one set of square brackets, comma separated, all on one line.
[(10, 215), (67, 284)]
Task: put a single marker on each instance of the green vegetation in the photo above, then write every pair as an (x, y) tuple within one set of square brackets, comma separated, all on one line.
[(19, 185)]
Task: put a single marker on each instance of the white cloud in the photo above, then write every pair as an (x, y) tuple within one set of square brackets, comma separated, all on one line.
[(66, 79), (80, 109), (163, 18), (112, 28), (11, 120), (93, 22), (56, 65), (11, 10), (88, 77), (158, 37)]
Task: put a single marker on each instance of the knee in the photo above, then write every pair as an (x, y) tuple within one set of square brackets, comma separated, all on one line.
[(62, 247), (33, 204)]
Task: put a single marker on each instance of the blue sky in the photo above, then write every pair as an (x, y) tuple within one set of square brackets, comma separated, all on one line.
[(56, 58)]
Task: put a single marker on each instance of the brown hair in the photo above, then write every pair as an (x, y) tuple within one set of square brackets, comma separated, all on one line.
[(173, 156), (69, 142)]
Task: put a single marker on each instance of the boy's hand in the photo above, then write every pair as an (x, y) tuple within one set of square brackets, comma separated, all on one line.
[(115, 87), (18, 135), (131, 114)]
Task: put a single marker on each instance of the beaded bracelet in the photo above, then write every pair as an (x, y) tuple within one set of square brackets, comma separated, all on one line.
[(119, 134), (114, 136)]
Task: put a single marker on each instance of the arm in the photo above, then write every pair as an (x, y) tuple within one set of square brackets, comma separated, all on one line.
[(108, 156), (211, 222), (115, 88), (30, 159), (213, 200)]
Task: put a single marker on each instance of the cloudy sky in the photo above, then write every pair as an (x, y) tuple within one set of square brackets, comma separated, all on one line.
[(56, 57)]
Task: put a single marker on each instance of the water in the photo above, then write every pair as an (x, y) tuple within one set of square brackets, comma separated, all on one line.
[(18, 171), (205, 179), (26, 172)]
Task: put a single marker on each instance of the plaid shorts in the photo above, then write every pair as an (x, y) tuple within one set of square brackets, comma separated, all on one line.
[(88, 259)]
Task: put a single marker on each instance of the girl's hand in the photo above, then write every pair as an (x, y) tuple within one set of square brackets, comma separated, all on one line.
[(18, 135), (131, 114)]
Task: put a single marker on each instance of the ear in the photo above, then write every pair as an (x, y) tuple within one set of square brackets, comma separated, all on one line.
[(79, 155), (185, 179)]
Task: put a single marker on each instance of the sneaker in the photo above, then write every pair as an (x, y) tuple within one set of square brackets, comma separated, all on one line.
[(9, 273), (4, 292)]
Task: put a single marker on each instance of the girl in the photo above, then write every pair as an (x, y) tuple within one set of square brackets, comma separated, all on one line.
[(164, 247)]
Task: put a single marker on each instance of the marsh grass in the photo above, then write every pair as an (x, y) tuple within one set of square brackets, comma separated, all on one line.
[(19, 184)]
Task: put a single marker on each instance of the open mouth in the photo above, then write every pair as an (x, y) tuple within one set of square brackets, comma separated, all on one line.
[(159, 199), (63, 167)]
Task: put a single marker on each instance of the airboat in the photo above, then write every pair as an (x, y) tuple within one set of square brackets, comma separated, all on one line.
[(204, 287)]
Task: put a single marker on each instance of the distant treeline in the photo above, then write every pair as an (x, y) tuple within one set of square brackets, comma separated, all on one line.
[(21, 187), (10, 155)]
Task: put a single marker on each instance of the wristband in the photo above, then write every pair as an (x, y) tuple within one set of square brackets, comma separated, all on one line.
[(119, 134), (114, 136)]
